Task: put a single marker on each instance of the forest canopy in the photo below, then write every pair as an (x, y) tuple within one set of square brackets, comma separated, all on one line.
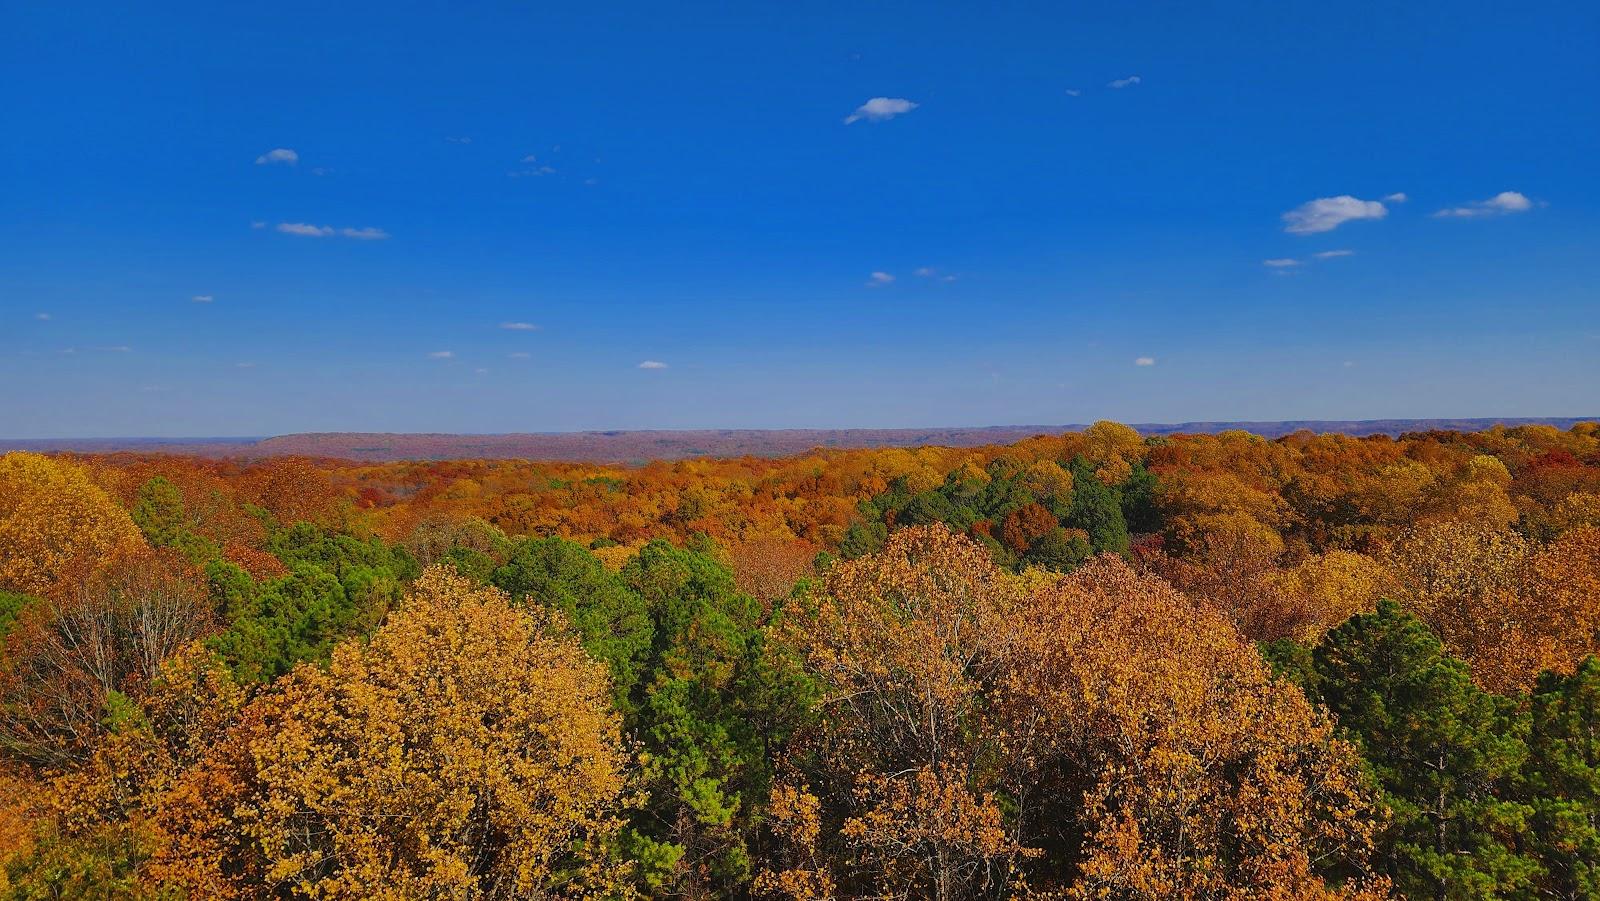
[(1086, 665)]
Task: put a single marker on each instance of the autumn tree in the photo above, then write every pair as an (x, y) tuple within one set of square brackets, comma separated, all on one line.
[(904, 644), (982, 734), (52, 518), (1465, 581), (1175, 765), (466, 751), (66, 657)]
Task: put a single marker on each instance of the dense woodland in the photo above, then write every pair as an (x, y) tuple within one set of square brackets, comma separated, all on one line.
[(1091, 665)]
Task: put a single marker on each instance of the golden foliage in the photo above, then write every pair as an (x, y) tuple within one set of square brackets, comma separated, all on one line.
[(54, 518), (467, 751), (1142, 747), (1327, 589), (1200, 775)]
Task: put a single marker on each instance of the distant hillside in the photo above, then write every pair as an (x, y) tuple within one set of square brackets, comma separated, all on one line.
[(639, 446)]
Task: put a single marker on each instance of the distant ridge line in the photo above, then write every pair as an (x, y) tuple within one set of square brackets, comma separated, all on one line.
[(642, 445)]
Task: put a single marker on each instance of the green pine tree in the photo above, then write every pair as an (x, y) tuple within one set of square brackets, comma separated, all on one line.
[(1096, 509), (1564, 781), (1445, 753)]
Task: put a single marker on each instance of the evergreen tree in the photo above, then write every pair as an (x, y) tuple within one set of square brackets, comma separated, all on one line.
[(158, 512), (1097, 510), (712, 714), (612, 618), (1564, 781), (1445, 754)]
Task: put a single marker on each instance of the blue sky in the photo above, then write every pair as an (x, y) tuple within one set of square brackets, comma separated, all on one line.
[(1072, 209)]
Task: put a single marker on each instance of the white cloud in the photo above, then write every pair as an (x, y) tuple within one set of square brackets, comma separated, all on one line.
[(202, 298), (307, 230), (258, 224), (652, 364), (1145, 361), (519, 326), (1128, 82), (1332, 254), (42, 317), (880, 109), (530, 158), (1074, 92), (1396, 197), (532, 173), (1500, 204), (1328, 213), (304, 230), (879, 278), (481, 371), (441, 354), (280, 155), (1281, 263)]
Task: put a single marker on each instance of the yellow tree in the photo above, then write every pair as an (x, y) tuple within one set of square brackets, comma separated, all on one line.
[(1328, 589), (1097, 736), (52, 518), (1465, 580), (906, 761), (467, 751), (1176, 766)]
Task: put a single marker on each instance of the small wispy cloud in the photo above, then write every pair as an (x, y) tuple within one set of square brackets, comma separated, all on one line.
[(42, 317), (1074, 92), (280, 155), (459, 140), (202, 298), (519, 355), (1144, 361), (441, 354), (531, 158), (538, 172), (880, 109), (481, 371), (652, 364), (307, 230), (878, 279), (304, 230), (1328, 213), (1281, 263), (1121, 83), (1333, 254), (933, 273), (1396, 197), (519, 326), (1501, 204)]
